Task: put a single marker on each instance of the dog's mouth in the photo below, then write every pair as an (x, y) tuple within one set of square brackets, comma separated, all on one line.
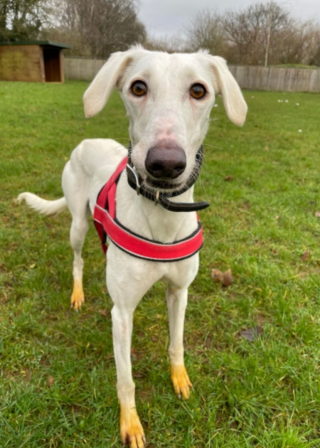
[(162, 184)]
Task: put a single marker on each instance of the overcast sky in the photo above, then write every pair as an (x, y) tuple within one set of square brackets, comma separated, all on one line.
[(167, 17)]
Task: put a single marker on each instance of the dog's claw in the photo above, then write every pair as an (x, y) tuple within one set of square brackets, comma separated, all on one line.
[(137, 442), (77, 297), (180, 381), (131, 429)]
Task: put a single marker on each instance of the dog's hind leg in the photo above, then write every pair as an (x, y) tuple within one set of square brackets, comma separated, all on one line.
[(76, 194), (78, 231), (177, 303)]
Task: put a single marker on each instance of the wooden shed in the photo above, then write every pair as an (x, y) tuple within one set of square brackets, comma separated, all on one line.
[(33, 61)]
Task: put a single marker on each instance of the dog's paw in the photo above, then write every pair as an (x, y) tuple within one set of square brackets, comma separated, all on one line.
[(180, 381), (77, 297), (131, 429)]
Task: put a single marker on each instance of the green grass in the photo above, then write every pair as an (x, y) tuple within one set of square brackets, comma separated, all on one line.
[(58, 377), (312, 67)]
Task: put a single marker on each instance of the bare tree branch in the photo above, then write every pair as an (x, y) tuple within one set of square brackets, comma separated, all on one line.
[(96, 28)]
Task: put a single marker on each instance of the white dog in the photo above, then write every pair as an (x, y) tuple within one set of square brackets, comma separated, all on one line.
[(168, 98)]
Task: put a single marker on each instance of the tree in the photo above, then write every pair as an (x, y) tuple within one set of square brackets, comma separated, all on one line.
[(251, 32), (4, 4), (169, 44), (300, 44), (22, 19), (206, 32), (96, 28), (262, 34), (315, 48)]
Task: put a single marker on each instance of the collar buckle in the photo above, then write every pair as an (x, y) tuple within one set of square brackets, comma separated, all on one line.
[(156, 201)]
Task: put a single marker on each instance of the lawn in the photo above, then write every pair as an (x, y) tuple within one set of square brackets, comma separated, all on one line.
[(58, 377)]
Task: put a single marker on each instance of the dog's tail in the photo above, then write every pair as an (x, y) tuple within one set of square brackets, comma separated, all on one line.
[(41, 205)]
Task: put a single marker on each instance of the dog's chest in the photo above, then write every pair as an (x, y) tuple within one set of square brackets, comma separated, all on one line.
[(149, 220), (166, 228)]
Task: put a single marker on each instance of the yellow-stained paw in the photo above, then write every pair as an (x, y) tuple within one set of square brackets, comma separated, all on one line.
[(180, 380), (77, 297), (131, 429)]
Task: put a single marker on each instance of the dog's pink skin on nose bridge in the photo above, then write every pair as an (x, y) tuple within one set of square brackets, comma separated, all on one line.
[(165, 134), (166, 143), (166, 126)]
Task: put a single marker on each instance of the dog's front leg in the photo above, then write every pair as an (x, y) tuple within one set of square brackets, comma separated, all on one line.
[(128, 280), (130, 426), (177, 302)]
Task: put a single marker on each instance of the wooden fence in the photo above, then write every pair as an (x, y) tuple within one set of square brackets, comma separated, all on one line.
[(277, 79), (248, 77), (84, 69)]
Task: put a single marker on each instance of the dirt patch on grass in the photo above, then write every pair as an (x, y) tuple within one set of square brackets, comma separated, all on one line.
[(23, 375)]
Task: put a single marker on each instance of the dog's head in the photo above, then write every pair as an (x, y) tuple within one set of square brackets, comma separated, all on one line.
[(168, 98)]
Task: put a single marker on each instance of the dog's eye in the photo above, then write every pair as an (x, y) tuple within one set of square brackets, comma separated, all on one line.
[(197, 91), (139, 88)]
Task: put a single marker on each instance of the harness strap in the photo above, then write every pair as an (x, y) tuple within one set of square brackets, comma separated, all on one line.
[(141, 247), (107, 199), (108, 226)]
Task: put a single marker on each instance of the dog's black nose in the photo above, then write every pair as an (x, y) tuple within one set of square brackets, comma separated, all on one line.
[(166, 161)]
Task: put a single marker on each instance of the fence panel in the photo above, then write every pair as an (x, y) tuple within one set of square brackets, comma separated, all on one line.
[(277, 79), (84, 69), (248, 77)]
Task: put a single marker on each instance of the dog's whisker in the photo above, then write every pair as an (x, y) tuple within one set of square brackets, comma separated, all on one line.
[(213, 146)]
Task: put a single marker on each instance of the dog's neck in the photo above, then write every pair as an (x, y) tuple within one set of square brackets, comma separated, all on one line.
[(152, 221)]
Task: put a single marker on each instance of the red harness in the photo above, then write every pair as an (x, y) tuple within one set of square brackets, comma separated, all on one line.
[(107, 226)]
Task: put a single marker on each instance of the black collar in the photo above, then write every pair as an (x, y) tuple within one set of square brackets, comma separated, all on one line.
[(162, 198)]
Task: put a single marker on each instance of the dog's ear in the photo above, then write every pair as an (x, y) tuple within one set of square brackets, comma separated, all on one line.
[(225, 84), (98, 93)]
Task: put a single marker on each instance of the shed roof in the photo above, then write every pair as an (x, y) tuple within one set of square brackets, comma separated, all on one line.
[(36, 42)]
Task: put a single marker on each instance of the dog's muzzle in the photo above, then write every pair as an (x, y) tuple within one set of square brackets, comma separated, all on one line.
[(174, 165)]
